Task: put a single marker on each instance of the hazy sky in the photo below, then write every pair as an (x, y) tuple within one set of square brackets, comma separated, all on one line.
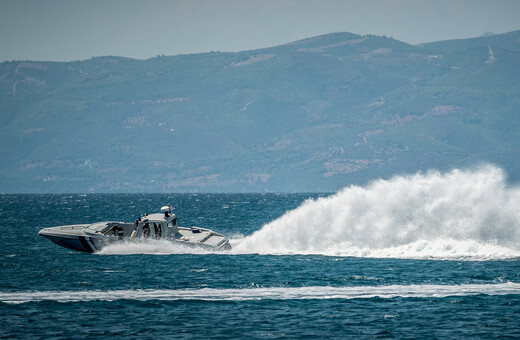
[(75, 30)]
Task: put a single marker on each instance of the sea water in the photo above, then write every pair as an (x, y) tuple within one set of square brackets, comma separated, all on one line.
[(429, 255)]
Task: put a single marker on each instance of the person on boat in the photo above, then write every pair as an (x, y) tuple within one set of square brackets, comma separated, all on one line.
[(118, 231), (157, 229), (146, 230)]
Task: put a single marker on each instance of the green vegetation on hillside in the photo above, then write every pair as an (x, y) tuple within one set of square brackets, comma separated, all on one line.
[(313, 115)]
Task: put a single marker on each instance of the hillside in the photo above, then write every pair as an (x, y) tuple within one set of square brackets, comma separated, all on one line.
[(313, 115)]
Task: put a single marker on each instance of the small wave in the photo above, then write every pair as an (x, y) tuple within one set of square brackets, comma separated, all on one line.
[(271, 293)]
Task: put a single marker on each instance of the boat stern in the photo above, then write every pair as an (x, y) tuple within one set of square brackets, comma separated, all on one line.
[(204, 238)]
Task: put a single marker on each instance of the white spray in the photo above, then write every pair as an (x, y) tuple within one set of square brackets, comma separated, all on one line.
[(471, 213)]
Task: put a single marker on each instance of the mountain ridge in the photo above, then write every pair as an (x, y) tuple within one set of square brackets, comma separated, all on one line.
[(312, 115)]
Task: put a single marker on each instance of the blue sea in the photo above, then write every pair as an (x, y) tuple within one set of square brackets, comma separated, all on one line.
[(432, 255)]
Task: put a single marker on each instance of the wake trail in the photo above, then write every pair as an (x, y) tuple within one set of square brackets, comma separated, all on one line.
[(269, 293), (456, 215)]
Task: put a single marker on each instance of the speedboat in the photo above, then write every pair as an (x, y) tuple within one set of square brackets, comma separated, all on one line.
[(93, 237)]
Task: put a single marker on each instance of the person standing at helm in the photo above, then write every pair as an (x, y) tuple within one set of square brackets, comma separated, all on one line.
[(157, 229), (146, 230)]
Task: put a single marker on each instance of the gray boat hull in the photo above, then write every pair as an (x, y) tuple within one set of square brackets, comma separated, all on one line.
[(76, 237)]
